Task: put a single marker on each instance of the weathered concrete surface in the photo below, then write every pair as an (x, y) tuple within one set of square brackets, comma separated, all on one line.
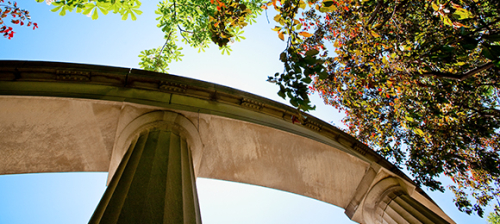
[(57, 117), (48, 135), (254, 154)]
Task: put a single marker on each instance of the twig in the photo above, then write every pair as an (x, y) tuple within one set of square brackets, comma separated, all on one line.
[(462, 77), (395, 10), (164, 45), (184, 31), (374, 14), (267, 17)]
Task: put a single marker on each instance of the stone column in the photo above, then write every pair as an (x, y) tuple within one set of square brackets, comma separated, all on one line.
[(399, 207), (388, 202), (154, 183)]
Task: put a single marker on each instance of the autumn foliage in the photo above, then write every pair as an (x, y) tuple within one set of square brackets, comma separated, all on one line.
[(17, 16), (418, 81)]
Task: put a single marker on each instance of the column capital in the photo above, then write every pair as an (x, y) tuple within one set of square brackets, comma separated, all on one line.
[(163, 120), (389, 201), (379, 196)]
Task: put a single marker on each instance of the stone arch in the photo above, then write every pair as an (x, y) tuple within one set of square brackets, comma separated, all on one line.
[(81, 105)]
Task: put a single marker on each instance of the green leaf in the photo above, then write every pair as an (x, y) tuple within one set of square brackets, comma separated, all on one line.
[(307, 80), (95, 15), (125, 16), (104, 11), (56, 8), (323, 75), (328, 3), (63, 12), (487, 53), (282, 94), (138, 12), (312, 52), (88, 10)]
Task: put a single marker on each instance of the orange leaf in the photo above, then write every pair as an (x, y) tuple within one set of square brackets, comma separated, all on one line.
[(281, 36), (305, 34)]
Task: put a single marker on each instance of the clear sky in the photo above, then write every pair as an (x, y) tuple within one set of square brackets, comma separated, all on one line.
[(72, 197)]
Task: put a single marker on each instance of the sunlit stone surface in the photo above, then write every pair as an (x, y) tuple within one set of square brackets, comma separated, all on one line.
[(59, 117)]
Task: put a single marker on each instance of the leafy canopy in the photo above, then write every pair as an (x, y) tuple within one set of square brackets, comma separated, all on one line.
[(418, 80), (199, 23), (91, 8)]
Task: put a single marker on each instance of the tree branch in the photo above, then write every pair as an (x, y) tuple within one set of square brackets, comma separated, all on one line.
[(395, 10), (164, 45), (182, 31), (374, 13), (462, 77)]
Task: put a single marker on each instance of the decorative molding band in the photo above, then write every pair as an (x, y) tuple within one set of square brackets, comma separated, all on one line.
[(251, 104), (172, 87), (312, 125), (360, 148), (68, 75)]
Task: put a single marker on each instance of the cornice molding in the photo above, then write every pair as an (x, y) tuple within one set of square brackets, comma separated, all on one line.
[(98, 77)]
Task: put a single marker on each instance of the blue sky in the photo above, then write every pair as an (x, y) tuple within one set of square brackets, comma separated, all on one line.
[(72, 197)]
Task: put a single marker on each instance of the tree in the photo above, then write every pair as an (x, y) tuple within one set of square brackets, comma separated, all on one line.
[(199, 22), (91, 8), (493, 218), (19, 17), (418, 80)]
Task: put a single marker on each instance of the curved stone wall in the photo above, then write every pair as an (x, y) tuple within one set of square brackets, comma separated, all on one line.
[(59, 117)]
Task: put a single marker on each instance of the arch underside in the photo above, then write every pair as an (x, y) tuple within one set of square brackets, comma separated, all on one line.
[(58, 117), (47, 134)]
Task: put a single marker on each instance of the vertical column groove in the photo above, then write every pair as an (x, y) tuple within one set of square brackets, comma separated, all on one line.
[(401, 208), (154, 183), (389, 202)]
